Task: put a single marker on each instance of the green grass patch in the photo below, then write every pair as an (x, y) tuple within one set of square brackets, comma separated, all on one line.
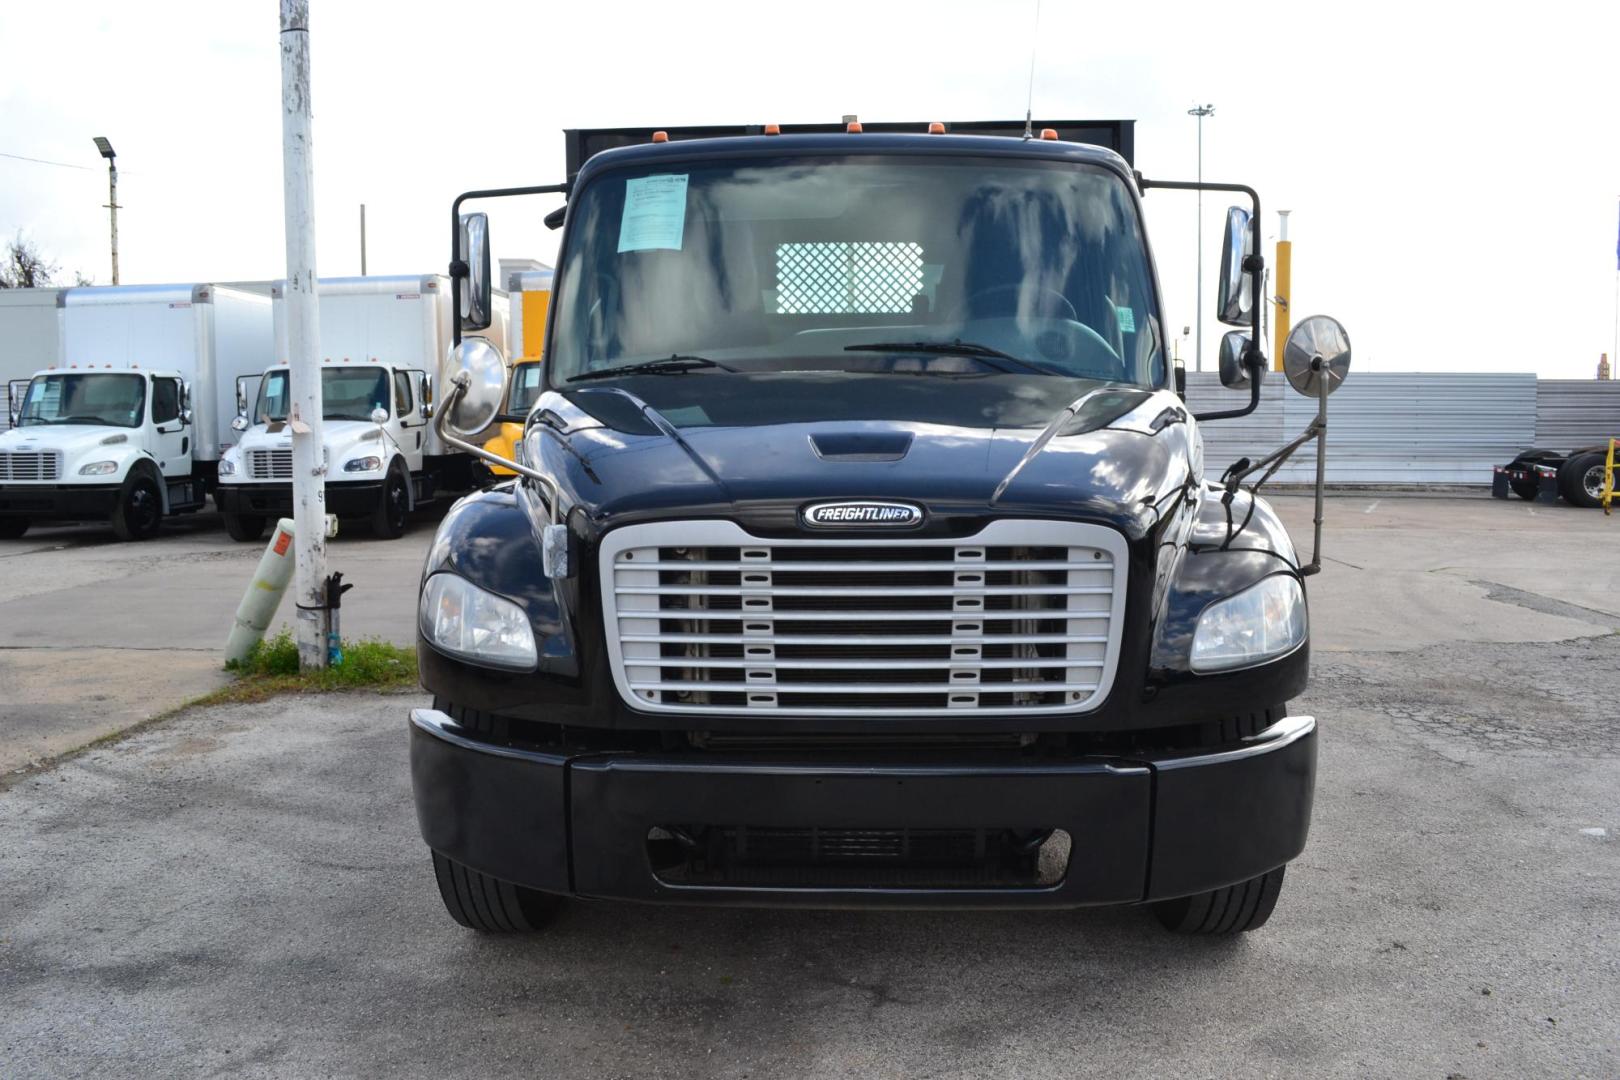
[(272, 668)]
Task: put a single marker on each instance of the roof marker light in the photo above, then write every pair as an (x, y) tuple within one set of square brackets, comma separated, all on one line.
[(660, 136), (773, 129), (853, 127), (936, 128), (1049, 134)]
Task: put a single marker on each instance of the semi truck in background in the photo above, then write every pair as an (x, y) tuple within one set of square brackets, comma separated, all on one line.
[(28, 341), (383, 340), (861, 551), (128, 423), (529, 296)]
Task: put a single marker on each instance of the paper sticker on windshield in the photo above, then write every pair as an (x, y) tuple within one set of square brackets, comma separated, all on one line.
[(654, 213), (1127, 320)]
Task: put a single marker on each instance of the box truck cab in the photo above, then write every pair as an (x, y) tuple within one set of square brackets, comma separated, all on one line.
[(383, 340), (127, 426), (862, 551)]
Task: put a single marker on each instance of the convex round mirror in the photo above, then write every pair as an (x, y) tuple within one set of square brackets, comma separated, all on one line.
[(1234, 372), (379, 415), (479, 370), (1319, 336)]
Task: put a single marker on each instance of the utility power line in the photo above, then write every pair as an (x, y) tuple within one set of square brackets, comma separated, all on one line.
[(42, 161)]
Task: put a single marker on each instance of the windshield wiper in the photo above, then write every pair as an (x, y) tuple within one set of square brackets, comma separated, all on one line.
[(954, 348), (83, 420), (675, 364)]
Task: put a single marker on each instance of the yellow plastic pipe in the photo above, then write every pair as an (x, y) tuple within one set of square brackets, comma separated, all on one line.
[(1285, 262)]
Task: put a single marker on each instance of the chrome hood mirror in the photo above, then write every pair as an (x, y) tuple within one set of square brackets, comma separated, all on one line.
[(1235, 304), (475, 387), (379, 415), (1317, 351)]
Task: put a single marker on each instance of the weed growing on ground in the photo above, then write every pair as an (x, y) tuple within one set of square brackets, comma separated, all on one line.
[(272, 668)]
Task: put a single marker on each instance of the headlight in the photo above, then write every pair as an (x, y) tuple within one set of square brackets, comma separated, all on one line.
[(99, 468), (362, 464), (1260, 623), (227, 467), (463, 620)]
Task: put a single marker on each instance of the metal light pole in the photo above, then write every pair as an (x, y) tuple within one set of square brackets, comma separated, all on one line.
[(1200, 111), (303, 340), (112, 195)]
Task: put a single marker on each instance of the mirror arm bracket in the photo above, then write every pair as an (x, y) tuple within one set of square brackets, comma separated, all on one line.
[(457, 388), (458, 268)]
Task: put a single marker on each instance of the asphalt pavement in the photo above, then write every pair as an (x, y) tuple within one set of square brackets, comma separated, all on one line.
[(241, 890)]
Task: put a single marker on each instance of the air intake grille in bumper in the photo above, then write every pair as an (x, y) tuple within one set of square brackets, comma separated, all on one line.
[(1022, 618), (269, 464), (30, 465)]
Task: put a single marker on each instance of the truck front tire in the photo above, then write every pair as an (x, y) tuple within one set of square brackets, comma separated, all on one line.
[(393, 506), (489, 905), (1234, 909), (12, 528), (139, 512), (244, 528)]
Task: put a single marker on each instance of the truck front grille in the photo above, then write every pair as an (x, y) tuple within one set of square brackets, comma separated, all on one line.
[(30, 464), (269, 464), (1021, 618)]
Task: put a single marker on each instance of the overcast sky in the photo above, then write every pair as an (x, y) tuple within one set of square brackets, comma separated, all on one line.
[(1454, 174)]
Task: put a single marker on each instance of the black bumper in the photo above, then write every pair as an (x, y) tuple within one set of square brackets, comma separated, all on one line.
[(1143, 827), (59, 502), (345, 499)]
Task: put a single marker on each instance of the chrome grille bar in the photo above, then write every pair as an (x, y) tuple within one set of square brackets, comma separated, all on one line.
[(1021, 618), (30, 465)]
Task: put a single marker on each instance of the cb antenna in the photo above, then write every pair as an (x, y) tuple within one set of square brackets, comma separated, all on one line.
[(1029, 102)]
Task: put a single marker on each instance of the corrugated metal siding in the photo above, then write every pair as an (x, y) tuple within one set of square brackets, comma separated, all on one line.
[(1384, 427), (1576, 412)]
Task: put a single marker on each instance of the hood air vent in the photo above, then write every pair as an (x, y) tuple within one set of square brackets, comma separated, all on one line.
[(861, 445)]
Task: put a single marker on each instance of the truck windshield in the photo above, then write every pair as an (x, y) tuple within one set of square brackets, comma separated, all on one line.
[(997, 267), (346, 394), (113, 400), (526, 387)]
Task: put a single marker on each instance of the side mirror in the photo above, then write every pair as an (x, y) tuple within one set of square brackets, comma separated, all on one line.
[(1234, 370), (473, 250), (185, 402), (1235, 303), (379, 415), (1181, 378), (424, 394), (477, 374)]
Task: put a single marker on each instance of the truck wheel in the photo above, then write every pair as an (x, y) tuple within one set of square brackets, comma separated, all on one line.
[(244, 528), (12, 527), (393, 507), (1232, 910), (1580, 481), (140, 509), (480, 902)]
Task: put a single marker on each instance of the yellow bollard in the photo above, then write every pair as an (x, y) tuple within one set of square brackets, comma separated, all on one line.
[(263, 594), (1285, 284)]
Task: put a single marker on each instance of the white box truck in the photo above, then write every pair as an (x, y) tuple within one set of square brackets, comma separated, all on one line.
[(27, 341), (127, 425), (383, 341)]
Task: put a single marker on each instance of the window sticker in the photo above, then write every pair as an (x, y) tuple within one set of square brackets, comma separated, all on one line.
[(654, 213), (1127, 320)]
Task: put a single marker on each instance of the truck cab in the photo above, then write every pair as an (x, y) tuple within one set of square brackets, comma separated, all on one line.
[(861, 553), (374, 431)]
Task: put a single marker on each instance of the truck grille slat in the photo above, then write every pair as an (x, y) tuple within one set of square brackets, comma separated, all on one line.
[(1020, 618), (269, 464), (30, 464)]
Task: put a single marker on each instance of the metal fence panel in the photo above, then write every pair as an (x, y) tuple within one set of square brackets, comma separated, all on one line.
[(1576, 412), (1384, 427)]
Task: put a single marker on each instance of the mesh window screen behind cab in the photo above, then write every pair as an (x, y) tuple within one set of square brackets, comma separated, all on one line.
[(848, 278)]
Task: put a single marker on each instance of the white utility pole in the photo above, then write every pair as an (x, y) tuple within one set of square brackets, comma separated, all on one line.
[(1200, 111), (303, 339), (112, 195)]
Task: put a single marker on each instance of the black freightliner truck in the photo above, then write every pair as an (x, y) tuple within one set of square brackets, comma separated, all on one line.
[(861, 552)]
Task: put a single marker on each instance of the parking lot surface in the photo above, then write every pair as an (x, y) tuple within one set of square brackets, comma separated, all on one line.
[(241, 890)]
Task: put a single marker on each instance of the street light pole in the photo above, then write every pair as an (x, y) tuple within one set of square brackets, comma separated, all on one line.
[(1200, 111), (112, 196)]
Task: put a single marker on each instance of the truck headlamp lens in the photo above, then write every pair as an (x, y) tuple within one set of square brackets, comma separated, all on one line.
[(99, 468), (227, 467), (1260, 623), (363, 464), (463, 620)]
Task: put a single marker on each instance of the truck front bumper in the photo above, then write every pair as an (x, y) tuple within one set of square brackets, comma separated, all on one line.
[(345, 499), (59, 502), (1141, 827)]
